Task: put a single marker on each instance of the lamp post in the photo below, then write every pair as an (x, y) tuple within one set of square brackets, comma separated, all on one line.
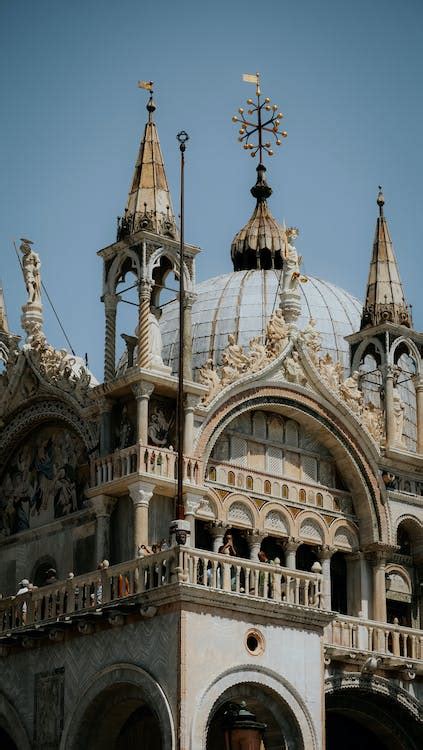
[(242, 731)]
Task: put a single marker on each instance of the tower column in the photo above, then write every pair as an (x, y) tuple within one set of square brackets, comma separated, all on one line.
[(254, 540), (192, 503), (389, 406), (106, 408), (102, 506), (188, 301), (325, 556), (190, 404), (140, 494), (378, 555), (110, 306), (418, 384), (291, 547), (217, 531), (142, 392), (144, 292)]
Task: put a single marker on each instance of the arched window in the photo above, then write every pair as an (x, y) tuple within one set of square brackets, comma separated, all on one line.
[(249, 482), (231, 478), (267, 487), (285, 491), (212, 473), (319, 500), (302, 496)]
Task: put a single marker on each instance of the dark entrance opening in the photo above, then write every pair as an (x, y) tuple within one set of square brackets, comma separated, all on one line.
[(139, 731), (338, 577), (6, 743)]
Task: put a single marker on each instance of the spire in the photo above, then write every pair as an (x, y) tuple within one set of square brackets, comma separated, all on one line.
[(262, 242), (4, 325), (385, 300), (149, 203)]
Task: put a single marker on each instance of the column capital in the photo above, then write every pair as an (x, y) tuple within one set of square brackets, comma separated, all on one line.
[(110, 300), (105, 405), (189, 299), (142, 389), (418, 381), (192, 503), (191, 401), (255, 537), (145, 287), (325, 551), (102, 505), (217, 528), (141, 493), (292, 544), (378, 552)]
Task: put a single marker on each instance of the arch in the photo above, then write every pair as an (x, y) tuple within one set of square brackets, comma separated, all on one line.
[(154, 262), (210, 506), (264, 680), (414, 528), (393, 712), (277, 519), (96, 692), (362, 350), (311, 528), (412, 349), (40, 569), (344, 535), (399, 580), (356, 458), (239, 509), (116, 266), (12, 725)]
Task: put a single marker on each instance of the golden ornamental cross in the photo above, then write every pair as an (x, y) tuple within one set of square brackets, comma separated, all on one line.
[(260, 125)]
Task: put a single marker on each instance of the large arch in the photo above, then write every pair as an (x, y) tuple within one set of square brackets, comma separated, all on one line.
[(369, 712), (349, 454), (107, 704), (13, 735), (256, 685)]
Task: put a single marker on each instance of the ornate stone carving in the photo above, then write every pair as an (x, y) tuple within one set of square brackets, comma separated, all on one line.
[(311, 338), (277, 333), (31, 265), (207, 375), (331, 372), (293, 369), (49, 692), (155, 342), (292, 262), (351, 393), (372, 418), (234, 361), (398, 407)]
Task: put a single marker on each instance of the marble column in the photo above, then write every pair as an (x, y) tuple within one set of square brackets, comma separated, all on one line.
[(325, 553), (190, 404), (140, 494), (389, 406), (142, 392), (217, 531), (102, 506), (377, 556), (143, 358), (192, 503), (291, 547), (110, 300), (418, 384), (254, 541), (188, 301), (106, 426)]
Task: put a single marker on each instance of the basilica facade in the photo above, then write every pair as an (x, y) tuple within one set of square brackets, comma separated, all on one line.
[(284, 610)]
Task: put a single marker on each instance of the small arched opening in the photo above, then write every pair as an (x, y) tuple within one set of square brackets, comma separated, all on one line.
[(306, 557), (41, 571)]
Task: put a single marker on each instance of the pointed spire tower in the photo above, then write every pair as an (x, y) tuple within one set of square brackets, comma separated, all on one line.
[(149, 204), (8, 341), (4, 325), (385, 301)]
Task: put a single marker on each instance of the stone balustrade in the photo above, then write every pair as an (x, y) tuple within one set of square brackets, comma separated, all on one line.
[(286, 489), (351, 633), (91, 592), (142, 459)]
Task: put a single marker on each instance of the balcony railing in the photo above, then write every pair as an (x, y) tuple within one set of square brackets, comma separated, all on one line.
[(286, 489), (142, 459), (90, 593), (366, 635)]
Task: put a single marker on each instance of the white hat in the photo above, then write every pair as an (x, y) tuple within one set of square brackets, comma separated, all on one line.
[(24, 582)]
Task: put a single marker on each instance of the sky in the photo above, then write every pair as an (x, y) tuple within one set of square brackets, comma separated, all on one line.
[(347, 76)]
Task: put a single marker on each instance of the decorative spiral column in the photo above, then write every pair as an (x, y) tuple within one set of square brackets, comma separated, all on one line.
[(144, 323), (110, 305)]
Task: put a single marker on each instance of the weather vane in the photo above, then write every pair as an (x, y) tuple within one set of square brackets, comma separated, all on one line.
[(257, 129)]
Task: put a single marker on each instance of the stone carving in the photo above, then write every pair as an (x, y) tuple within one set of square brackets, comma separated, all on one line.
[(155, 341), (373, 421), (311, 338), (351, 393), (49, 692), (31, 272), (208, 376), (398, 407), (331, 371), (234, 361), (277, 333), (258, 355), (239, 512), (161, 423), (126, 429), (293, 369), (292, 262), (42, 481)]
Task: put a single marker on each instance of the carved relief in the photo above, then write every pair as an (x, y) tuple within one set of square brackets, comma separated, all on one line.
[(42, 481), (293, 369), (161, 422), (49, 709)]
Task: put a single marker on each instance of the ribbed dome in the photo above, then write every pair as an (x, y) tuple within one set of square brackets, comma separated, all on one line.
[(242, 303), (260, 243)]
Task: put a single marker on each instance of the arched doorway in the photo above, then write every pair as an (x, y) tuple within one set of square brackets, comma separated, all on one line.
[(120, 718), (282, 729), (360, 719)]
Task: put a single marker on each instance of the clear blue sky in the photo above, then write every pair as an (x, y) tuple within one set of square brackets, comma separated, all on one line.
[(348, 77)]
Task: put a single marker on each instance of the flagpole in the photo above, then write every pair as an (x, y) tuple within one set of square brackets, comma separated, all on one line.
[(182, 138)]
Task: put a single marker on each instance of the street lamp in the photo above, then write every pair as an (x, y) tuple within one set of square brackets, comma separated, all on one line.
[(242, 731)]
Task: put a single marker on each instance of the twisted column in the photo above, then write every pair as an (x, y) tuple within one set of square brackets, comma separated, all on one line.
[(110, 305), (144, 291)]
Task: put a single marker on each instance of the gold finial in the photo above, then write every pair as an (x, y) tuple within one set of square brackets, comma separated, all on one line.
[(257, 128), (148, 86)]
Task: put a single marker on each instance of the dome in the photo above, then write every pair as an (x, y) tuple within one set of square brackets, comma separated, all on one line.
[(242, 303)]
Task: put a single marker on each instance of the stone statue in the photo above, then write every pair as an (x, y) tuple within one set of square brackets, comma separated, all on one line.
[(292, 262), (311, 339), (234, 361), (373, 421), (126, 430), (293, 369), (31, 272), (398, 408), (276, 334), (351, 393), (258, 355), (331, 371), (155, 340), (208, 376)]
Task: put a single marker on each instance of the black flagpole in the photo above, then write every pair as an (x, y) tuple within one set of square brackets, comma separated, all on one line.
[(180, 510)]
